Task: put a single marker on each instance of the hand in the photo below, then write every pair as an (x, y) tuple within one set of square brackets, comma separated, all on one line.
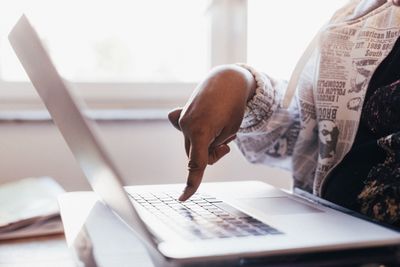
[(211, 118)]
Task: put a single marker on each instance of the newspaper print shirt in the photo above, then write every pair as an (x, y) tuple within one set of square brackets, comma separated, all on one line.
[(317, 130)]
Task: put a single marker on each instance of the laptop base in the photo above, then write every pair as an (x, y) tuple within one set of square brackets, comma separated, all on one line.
[(96, 237)]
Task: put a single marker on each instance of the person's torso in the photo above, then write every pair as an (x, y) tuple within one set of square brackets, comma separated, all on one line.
[(351, 49)]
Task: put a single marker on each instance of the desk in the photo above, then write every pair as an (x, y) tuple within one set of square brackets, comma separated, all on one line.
[(47, 252), (36, 252), (52, 251)]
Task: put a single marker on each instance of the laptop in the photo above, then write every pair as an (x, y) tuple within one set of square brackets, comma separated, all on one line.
[(222, 223)]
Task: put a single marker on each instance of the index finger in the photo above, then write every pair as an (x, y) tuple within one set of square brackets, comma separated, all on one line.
[(198, 159)]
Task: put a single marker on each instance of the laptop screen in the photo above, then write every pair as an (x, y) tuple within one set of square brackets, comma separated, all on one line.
[(79, 132)]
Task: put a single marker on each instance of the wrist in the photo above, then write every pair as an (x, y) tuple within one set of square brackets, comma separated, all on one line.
[(262, 103), (251, 81), (242, 75)]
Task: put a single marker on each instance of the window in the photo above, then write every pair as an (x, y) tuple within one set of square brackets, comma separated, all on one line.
[(151, 53), (118, 41), (279, 31)]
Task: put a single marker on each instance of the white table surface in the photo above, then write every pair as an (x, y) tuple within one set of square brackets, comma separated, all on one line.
[(36, 252)]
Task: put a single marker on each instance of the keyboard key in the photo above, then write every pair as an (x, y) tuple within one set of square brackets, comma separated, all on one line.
[(231, 209)]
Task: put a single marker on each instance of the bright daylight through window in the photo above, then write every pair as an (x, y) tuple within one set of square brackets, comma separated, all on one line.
[(117, 41), (159, 42)]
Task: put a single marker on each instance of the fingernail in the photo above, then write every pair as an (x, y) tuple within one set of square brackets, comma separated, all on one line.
[(182, 198)]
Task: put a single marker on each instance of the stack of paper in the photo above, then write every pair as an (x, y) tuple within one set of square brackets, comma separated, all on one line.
[(28, 207)]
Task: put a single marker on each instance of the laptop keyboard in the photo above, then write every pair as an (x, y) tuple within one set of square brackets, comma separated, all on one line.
[(202, 216)]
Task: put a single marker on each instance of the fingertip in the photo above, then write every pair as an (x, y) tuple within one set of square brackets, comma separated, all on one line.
[(218, 153), (186, 194), (182, 198), (223, 150), (173, 117), (226, 149)]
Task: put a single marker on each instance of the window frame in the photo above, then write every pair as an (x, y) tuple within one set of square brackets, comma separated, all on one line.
[(22, 96)]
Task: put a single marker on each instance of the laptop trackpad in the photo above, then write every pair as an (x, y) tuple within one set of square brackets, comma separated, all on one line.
[(278, 205)]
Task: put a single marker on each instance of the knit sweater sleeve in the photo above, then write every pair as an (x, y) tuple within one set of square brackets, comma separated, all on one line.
[(268, 131)]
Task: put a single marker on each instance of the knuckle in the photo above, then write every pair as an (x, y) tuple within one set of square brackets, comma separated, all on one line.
[(199, 131), (193, 126), (193, 166)]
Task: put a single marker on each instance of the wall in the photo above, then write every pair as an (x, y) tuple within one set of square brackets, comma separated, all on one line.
[(146, 153)]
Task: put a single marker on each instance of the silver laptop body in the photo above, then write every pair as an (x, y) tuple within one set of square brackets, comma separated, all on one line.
[(268, 221)]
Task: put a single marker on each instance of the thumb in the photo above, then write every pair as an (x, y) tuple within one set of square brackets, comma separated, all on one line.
[(174, 116)]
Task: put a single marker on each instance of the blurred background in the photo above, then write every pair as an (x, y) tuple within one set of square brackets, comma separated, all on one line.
[(134, 60)]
